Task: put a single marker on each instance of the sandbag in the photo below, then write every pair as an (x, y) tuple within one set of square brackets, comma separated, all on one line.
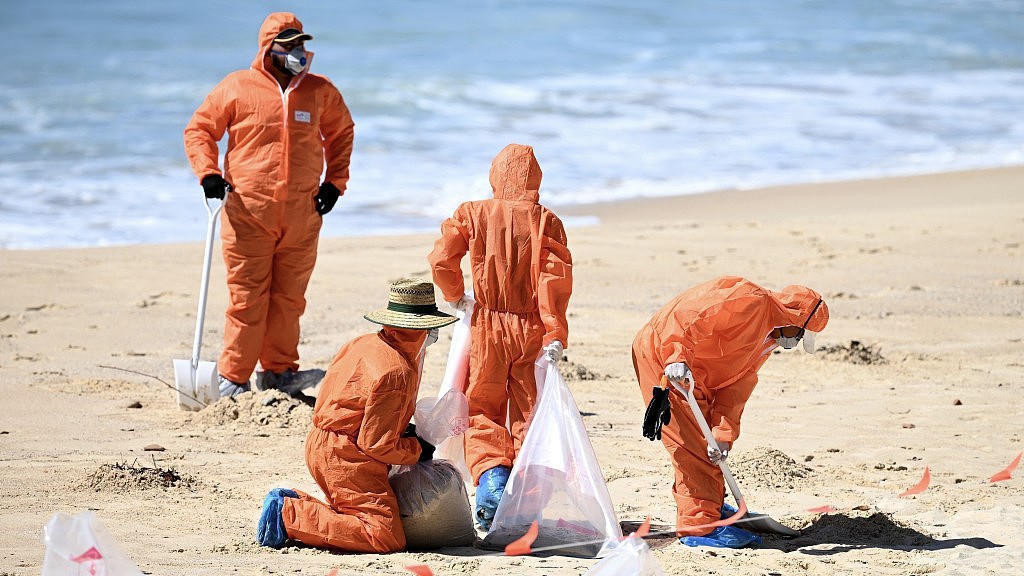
[(433, 505)]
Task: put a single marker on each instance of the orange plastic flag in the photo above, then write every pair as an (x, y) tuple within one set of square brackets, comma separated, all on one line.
[(1006, 473), (521, 547), (920, 486), (821, 509), (420, 569), (644, 528)]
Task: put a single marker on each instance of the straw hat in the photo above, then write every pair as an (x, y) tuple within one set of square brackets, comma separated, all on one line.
[(411, 305)]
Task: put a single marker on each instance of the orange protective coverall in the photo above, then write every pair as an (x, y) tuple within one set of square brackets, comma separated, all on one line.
[(278, 143), (365, 402), (522, 280), (720, 330)]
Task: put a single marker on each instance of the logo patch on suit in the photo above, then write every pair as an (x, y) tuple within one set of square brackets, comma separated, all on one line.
[(301, 116)]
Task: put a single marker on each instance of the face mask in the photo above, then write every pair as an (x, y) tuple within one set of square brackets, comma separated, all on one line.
[(787, 343), (295, 60)]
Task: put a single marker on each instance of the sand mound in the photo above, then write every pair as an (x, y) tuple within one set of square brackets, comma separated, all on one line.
[(123, 477), (767, 468), (854, 353), (267, 409), (574, 372), (866, 529)]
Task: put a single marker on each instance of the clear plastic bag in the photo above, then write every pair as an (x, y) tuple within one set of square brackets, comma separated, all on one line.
[(556, 481), (433, 505), (630, 556), (453, 393), (80, 545)]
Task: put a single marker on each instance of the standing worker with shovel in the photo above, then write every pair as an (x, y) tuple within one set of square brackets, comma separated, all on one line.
[(284, 125), (716, 336)]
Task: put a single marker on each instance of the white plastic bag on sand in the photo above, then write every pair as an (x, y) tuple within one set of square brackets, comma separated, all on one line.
[(630, 556), (434, 505), (454, 382), (81, 545), (556, 481)]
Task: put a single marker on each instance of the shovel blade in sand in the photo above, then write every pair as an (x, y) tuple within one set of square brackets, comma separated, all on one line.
[(195, 388)]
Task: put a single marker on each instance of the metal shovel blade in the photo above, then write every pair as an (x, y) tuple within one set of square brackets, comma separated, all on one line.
[(196, 388), (754, 521), (765, 523)]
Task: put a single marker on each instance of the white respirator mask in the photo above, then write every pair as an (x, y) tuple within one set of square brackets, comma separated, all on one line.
[(295, 60)]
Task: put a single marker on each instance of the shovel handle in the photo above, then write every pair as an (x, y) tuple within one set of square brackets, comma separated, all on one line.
[(734, 488), (211, 229)]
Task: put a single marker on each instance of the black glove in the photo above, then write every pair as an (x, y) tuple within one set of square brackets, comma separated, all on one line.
[(657, 414), (426, 450), (326, 198), (410, 431), (214, 186)]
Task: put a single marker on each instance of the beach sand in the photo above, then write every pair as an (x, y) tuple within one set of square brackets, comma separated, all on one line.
[(921, 368)]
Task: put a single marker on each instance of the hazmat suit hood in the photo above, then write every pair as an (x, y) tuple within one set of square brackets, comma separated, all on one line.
[(405, 341), (797, 303), (515, 174), (273, 25)]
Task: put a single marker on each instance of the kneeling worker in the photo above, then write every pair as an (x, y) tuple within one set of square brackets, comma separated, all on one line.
[(719, 334), (360, 429)]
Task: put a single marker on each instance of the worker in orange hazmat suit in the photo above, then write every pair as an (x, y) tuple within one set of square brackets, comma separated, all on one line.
[(522, 279), (284, 124), (360, 429), (717, 334)]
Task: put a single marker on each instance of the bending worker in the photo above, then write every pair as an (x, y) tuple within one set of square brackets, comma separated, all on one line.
[(284, 124), (719, 334), (360, 429), (522, 280)]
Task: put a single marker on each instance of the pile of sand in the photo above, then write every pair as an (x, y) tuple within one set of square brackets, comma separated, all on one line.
[(571, 371), (123, 477), (266, 409), (767, 468), (866, 528), (854, 353)]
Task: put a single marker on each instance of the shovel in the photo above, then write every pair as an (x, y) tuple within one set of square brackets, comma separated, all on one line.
[(194, 380), (753, 520)]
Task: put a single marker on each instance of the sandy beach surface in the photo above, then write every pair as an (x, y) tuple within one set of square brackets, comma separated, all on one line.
[(921, 368)]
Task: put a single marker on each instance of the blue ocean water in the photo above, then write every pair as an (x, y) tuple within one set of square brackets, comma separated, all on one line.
[(620, 98)]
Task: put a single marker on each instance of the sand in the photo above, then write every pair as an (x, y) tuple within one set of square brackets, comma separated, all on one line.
[(922, 367)]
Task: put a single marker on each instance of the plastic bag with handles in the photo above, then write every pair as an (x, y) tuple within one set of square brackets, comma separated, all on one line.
[(80, 545)]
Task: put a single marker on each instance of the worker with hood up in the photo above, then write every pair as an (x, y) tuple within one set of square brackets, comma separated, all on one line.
[(284, 125), (360, 430), (522, 279), (717, 335)]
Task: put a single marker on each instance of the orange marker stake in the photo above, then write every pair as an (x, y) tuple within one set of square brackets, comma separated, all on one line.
[(521, 547), (644, 529), (420, 569), (1006, 473), (920, 486)]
